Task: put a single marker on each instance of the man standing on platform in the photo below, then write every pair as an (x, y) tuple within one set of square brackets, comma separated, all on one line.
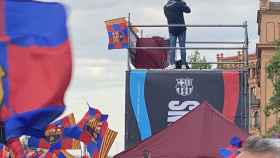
[(174, 11)]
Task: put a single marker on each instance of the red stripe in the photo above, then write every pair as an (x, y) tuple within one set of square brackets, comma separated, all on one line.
[(231, 94), (4, 113), (44, 144), (38, 76)]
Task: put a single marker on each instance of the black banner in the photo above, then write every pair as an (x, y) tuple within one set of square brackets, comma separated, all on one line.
[(156, 98)]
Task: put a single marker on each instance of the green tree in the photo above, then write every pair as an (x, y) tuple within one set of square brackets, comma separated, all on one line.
[(274, 131), (273, 71), (198, 61)]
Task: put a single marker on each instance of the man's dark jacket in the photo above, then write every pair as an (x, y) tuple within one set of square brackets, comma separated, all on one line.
[(174, 11)]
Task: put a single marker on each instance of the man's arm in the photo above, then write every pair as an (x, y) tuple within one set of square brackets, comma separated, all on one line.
[(185, 8)]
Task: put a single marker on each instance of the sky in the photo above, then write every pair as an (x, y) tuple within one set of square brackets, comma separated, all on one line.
[(99, 74)]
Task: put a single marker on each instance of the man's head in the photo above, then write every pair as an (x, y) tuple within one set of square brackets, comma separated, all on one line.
[(260, 148)]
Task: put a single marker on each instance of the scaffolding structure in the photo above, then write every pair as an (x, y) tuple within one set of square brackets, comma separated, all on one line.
[(243, 47)]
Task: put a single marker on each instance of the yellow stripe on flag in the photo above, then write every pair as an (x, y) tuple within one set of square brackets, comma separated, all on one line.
[(117, 20), (107, 143)]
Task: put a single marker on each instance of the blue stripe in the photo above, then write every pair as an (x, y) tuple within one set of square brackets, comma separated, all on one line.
[(4, 65), (35, 23), (73, 132), (110, 34), (137, 96), (56, 146), (125, 32), (125, 45), (111, 46), (91, 148), (116, 27), (31, 123), (61, 155), (33, 142)]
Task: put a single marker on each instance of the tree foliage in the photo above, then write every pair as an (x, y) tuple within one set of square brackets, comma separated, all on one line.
[(198, 61), (273, 71), (274, 131)]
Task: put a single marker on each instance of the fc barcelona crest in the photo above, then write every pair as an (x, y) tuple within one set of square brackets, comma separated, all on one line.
[(184, 86)]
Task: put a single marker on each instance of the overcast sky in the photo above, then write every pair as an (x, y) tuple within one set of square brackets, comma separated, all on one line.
[(99, 74)]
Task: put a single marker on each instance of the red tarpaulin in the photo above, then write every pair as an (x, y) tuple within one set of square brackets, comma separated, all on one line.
[(151, 59), (199, 134)]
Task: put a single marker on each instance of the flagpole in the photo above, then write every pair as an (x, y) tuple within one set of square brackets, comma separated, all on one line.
[(129, 42)]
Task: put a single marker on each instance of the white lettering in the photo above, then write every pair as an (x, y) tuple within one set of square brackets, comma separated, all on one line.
[(177, 110)]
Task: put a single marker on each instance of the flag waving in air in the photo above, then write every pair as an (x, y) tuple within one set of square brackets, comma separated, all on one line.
[(54, 136), (118, 33), (35, 65)]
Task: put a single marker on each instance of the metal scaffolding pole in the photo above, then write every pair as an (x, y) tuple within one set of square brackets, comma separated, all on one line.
[(129, 43), (190, 48), (214, 42), (246, 86), (180, 25)]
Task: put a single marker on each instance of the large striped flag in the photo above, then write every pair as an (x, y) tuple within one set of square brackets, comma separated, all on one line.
[(35, 65), (90, 130)]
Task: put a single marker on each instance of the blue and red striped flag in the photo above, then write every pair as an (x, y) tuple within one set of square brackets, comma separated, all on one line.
[(35, 65), (90, 130), (118, 33), (92, 114)]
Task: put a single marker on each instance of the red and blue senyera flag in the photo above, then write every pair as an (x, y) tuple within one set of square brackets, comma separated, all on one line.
[(118, 33), (90, 130), (35, 65)]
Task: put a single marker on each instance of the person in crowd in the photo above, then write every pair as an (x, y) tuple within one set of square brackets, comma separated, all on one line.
[(174, 11), (260, 148)]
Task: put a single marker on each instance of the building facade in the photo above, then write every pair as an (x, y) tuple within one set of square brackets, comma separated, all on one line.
[(260, 87)]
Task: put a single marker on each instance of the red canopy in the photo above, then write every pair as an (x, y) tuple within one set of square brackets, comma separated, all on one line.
[(199, 134)]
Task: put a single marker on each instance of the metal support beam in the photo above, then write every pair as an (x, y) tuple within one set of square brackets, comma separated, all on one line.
[(214, 42), (180, 25), (222, 63)]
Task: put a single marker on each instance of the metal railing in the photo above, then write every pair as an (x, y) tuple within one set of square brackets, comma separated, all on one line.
[(243, 45)]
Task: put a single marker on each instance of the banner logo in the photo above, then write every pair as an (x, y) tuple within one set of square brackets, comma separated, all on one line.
[(2, 74), (53, 134), (177, 109), (184, 86)]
